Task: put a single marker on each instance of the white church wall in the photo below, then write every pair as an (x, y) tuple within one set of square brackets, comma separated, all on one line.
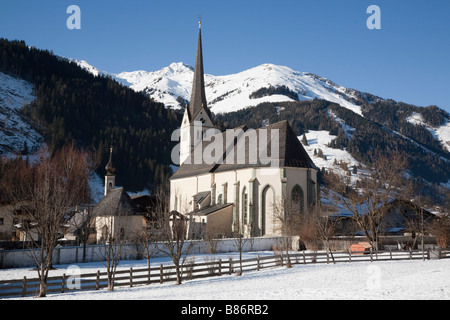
[(181, 193)]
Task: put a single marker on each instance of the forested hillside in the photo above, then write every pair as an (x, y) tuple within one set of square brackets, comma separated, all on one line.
[(382, 128), (95, 112)]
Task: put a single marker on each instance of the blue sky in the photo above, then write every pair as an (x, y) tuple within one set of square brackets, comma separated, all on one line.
[(406, 60)]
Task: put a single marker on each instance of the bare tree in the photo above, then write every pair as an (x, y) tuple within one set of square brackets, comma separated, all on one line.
[(325, 224), (173, 235), (366, 204), (83, 222), (287, 213), (239, 240), (147, 240), (84, 228), (440, 228), (56, 184), (110, 253)]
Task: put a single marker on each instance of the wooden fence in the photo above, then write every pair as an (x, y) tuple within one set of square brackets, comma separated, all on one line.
[(191, 270)]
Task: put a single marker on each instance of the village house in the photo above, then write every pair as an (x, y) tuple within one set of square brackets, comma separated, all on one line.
[(117, 214)]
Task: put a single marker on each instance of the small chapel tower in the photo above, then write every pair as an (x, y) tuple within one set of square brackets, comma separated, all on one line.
[(197, 117), (110, 178)]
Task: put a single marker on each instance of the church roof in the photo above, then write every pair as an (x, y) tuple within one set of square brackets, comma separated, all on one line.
[(290, 152), (210, 209), (116, 203), (198, 95)]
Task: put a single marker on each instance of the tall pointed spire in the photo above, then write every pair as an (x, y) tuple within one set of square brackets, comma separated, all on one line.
[(197, 112), (198, 96)]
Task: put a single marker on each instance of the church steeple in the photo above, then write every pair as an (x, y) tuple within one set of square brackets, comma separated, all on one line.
[(109, 166), (110, 178), (197, 119), (198, 96)]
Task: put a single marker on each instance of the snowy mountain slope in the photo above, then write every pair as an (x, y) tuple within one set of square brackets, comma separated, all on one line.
[(441, 133), (331, 159), (165, 85), (15, 130), (234, 90), (320, 140)]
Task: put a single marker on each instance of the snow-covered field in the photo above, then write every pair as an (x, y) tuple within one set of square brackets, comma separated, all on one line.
[(380, 280)]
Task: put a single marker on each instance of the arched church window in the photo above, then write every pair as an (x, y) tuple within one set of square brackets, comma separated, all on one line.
[(105, 232), (267, 209), (297, 198)]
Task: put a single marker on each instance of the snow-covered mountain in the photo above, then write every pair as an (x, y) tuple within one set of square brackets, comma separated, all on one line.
[(228, 93), (172, 86)]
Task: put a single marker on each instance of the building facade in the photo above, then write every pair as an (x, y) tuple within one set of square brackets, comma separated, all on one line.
[(239, 180)]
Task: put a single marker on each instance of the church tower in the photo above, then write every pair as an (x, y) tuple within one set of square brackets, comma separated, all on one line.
[(197, 117), (110, 178)]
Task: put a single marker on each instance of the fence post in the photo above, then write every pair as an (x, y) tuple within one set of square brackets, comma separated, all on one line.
[(257, 259), (349, 255), (230, 266), (390, 253), (161, 273), (131, 277), (149, 280), (24, 286), (304, 258), (410, 253), (97, 282), (220, 267), (328, 258), (63, 282), (371, 256)]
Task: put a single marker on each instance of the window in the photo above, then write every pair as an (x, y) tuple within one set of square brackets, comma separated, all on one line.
[(105, 232), (297, 197), (267, 210), (245, 206)]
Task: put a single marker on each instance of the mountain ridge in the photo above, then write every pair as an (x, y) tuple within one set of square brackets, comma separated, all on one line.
[(171, 85)]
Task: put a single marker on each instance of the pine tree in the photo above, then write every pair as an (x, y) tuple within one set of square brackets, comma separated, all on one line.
[(304, 140)]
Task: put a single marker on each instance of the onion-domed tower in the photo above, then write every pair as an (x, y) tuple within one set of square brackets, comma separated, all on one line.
[(110, 178)]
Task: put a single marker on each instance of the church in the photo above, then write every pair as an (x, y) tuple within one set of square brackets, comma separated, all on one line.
[(237, 181)]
